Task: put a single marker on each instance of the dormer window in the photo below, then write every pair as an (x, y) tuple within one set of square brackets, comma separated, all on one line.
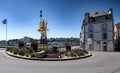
[(104, 17), (91, 19), (109, 17), (96, 13)]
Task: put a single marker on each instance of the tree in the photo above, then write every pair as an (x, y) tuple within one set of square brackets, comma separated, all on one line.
[(21, 44), (34, 45)]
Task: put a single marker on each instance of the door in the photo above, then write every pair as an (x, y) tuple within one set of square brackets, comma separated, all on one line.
[(104, 46)]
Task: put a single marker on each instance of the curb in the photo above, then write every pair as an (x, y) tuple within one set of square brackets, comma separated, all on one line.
[(48, 59)]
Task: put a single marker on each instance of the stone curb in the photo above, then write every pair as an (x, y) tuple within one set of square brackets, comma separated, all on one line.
[(48, 59)]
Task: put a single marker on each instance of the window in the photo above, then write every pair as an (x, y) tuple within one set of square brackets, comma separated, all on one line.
[(104, 36), (104, 27), (96, 13), (109, 17), (104, 17), (94, 20), (91, 36), (98, 42), (90, 19), (90, 28)]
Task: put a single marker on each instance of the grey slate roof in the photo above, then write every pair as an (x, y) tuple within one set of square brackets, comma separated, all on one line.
[(98, 13)]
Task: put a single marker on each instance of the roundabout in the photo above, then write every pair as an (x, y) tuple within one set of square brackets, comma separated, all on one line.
[(51, 55), (49, 59), (100, 62), (41, 50)]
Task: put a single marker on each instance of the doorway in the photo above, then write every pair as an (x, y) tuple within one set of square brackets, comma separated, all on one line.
[(104, 46)]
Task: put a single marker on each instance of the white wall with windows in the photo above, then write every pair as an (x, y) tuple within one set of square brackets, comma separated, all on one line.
[(100, 27), (99, 32)]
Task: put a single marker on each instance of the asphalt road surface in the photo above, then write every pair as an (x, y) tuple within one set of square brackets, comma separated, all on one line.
[(100, 62)]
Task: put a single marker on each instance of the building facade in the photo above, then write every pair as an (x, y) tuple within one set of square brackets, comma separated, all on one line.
[(97, 31)]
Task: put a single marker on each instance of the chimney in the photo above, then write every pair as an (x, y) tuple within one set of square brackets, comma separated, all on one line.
[(87, 17), (110, 11)]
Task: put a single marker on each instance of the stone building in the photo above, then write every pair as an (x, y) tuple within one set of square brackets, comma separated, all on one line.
[(97, 31)]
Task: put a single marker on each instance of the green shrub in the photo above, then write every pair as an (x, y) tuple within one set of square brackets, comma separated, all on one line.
[(15, 51), (8, 49), (61, 52), (27, 54), (62, 56), (33, 54), (80, 53), (67, 53), (30, 50), (22, 51), (73, 54), (86, 51), (11, 50)]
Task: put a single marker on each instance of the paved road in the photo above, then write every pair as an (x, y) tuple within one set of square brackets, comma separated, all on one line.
[(100, 62)]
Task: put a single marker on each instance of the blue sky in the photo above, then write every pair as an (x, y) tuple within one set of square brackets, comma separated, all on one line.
[(64, 16)]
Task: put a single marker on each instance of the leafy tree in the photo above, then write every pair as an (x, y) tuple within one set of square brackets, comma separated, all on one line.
[(21, 44), (34, 45)]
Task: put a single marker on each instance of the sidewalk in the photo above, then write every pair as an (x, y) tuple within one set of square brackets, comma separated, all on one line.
[(2, 48)]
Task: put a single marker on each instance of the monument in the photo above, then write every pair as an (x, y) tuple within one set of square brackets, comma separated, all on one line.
[(43, 29)]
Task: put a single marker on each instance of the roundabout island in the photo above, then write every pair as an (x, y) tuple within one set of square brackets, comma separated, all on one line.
[(30, 54), (44, 52)]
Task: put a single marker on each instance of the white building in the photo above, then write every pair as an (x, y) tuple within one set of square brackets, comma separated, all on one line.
[(97, 31)]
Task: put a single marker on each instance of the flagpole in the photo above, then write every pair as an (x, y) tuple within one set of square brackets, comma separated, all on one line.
[(6, 38), (5, 22)]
